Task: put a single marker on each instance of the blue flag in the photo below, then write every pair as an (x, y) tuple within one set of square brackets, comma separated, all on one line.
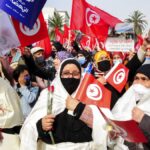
[(25, 11)]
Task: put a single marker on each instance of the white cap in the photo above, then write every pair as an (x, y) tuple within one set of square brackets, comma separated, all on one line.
[(36, 49)]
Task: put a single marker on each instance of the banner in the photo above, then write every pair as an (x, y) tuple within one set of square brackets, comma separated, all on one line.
[(8, 36), (25, 11), (118, 44)]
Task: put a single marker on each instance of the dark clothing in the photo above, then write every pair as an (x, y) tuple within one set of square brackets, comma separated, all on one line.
[(14, 130), (66, 128), (115, 95), (48, 74), (133, 65), (145, 127)]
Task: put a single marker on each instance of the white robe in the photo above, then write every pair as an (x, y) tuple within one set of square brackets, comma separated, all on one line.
[(10, 109), (10, 115), (124, 106)]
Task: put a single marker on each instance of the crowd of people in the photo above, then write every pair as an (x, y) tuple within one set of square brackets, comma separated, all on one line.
[(26, 80)]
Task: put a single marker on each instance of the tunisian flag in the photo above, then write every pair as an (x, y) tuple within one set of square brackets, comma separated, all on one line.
[(68, 35), (125, 130), (28, 36), (88, 42), (91, 91), (91, 20), (118, 76)]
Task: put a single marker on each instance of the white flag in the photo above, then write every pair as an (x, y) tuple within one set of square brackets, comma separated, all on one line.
[(8, 36)]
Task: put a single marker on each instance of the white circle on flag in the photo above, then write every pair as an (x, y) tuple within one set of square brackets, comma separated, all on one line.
[(31, 32), (119, 76), (94, 92), (92, 17)]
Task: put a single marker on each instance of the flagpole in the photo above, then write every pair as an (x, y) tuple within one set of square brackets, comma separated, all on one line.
[(112, 69), (97, 44), (69, 39)]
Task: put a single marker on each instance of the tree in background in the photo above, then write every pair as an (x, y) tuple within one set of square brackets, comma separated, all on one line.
[(138, 19), (54, 22)]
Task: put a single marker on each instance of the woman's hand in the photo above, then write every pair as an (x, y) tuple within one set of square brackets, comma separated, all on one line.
[(102, 80), (137, 114), (47, 122), (71, 103)]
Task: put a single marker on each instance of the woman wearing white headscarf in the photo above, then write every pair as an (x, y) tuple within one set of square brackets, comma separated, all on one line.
[(68, 130)]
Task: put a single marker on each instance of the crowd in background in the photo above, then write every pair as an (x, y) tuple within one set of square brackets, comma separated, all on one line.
[(30, 74)]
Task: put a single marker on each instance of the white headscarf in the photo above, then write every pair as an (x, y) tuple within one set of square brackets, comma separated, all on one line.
[(123, 108)]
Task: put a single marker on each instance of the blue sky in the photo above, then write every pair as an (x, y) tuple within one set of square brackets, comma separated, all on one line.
[(118, 8)]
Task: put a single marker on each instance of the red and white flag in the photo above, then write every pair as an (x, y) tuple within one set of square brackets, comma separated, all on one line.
[(118, 76), (66, 31), (139, 42), (28, 36), (91, 20), (85, 41), (8, 36), (91, 91), (58, 36), (88, 42), (68, 35), (125, 130)]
